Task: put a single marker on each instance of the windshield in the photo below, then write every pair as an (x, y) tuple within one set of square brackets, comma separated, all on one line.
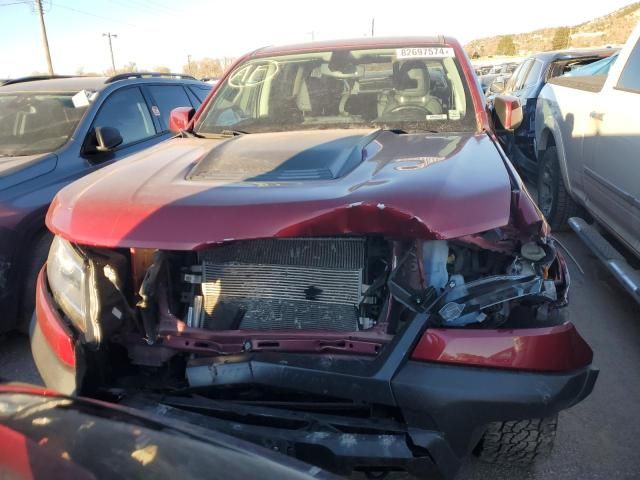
[(410, 89), (36, 122)]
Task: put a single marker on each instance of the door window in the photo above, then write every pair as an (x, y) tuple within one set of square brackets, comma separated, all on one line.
[(534, 73), (201, 91), (630, 77), (166, 98), (127, 111), (517, 80)]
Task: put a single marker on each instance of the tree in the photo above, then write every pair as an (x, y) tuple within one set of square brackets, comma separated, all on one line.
[(506, 46), (162, 69), (207, 67), (127, 68), (561, 38)]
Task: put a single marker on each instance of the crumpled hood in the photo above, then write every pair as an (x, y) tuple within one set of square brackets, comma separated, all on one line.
[(15, 170), (173, 196)]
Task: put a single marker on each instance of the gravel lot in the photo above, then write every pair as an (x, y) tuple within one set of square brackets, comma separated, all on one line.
[(598, 439)]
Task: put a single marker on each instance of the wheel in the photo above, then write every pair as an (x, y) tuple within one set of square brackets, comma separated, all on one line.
[(517, 442), (553, 198), (37, 257)]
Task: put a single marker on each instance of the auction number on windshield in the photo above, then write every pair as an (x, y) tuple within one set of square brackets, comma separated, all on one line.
[(425, 52)]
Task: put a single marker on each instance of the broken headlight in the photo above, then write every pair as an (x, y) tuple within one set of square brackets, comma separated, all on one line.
[(87, 290), (67, 273)]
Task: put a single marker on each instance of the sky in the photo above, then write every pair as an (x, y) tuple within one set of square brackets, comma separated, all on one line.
[(155, 33)]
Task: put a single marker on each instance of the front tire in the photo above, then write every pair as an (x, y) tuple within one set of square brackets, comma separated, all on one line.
[(519, 442), (554, 200)]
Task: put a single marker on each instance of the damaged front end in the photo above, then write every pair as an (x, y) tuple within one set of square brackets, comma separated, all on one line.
[(304, 344), (341, 295)]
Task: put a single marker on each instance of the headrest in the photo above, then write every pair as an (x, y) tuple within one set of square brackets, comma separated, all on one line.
[(411, 78)]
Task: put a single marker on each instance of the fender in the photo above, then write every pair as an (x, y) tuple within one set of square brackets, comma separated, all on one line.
[(546, 127)]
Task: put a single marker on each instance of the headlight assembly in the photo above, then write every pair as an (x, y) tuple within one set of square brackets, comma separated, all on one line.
[(87, 289), (68, 274)]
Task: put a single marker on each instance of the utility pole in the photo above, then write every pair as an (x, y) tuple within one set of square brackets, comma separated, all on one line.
[(110, 35), (189, 64), (373, 27), (45, 41)]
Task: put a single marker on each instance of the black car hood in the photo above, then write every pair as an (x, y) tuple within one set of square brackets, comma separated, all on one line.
[(281, 156)]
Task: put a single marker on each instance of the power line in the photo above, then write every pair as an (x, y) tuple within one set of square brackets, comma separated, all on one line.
[(58, 4), (24, 2)]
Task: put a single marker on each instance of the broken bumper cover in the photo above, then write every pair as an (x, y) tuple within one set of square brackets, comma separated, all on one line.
[(445, 410)]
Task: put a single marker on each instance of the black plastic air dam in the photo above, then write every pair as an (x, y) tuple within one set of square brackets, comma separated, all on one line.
[(460, 400), (445, 407)]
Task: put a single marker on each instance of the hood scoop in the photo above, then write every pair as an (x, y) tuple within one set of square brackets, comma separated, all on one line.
[(285, 156)]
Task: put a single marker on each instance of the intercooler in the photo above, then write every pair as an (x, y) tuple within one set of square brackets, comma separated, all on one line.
[(276, 284)]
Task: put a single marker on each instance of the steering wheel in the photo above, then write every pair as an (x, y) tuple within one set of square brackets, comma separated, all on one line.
[(416, 108)]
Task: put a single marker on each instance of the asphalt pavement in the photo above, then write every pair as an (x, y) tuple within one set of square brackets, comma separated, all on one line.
[(597, 439)]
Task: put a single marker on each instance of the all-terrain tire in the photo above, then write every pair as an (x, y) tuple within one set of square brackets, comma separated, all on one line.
[(518, 442), (553, 198), (38, 256)]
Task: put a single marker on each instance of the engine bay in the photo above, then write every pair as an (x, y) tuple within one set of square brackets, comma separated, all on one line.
[(333, 294)]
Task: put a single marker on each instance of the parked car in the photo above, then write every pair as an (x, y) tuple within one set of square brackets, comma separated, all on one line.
[(332, 255), (526, 84), (588, 139), (55, 130), (45, 435), (498, 73)]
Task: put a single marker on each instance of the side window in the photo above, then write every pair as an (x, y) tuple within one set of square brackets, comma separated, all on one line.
[(127, 111), (522, 74), (195, 101), (516, 78), (168, 97), (201, 91), (630, 76), (534, 73)]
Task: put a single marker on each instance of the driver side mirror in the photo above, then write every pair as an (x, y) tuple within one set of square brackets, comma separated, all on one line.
[(179, 118), (107, 139), (509, 111)]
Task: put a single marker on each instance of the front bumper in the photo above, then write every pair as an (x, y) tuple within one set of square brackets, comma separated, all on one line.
[(445, 410), (53, 346), (442, 409)]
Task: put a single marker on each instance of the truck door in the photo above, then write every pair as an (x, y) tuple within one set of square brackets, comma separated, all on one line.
[(612, 174)]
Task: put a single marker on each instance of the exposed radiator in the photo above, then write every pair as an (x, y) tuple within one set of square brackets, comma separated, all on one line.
[(274, 284)]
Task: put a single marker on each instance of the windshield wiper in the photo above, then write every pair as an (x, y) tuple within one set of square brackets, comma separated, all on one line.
[(188, 134), (401, 131), (234, 133), (223, 133)]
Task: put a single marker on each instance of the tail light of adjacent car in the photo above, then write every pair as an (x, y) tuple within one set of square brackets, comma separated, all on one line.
[(553, 349)]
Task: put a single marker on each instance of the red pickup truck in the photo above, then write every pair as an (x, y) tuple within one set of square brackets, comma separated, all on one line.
[(333, 258)]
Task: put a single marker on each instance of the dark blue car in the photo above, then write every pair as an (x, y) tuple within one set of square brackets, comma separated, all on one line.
[(526, 83), (55, 130)]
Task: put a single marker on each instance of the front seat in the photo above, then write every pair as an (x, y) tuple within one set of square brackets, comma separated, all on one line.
[(411, 87)]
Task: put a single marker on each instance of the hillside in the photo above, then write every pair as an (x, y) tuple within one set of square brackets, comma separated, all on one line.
[(610, 29)]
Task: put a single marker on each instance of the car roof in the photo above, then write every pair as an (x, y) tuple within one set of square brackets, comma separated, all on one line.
[(574, 53), (75, 84), (355, 43), (71, 84)]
